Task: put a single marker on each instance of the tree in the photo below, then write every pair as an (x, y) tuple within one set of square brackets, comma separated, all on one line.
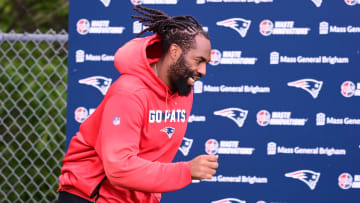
[(29, 15)]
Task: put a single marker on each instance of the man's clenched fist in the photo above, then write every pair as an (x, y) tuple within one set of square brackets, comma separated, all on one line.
[(204, 167)]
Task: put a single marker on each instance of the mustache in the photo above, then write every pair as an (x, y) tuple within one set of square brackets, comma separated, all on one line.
[(194, 75)]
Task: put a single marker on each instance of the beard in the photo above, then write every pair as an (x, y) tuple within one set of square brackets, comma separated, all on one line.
[(179, 73)]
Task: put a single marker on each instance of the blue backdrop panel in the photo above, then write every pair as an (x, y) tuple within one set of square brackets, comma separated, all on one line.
[(279, 104)]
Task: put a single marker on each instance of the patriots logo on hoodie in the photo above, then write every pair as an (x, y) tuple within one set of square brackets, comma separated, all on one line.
[(185, 146), (169, 131), (229, 200), (99, 82), (235, 114), (310, 85), (310, 178), (240, 25)]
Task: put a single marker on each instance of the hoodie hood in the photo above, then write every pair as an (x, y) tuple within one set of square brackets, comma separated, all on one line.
[(134, 58)]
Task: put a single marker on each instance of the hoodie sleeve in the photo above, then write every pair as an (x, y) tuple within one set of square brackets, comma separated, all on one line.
[(121, 126)]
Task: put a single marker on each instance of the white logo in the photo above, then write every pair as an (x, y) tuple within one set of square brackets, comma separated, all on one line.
[(236, 179), (106, 2), (186, 146), (229, 200), (267, 28), (139, 2), (352, 2), (172, 116), (271, 148), (195, 118), (116, 121), (309, 85), (240, 25), (346, 181), (230, 57), (264, 118), (324, 28), (80, 56), (81, 114), (317, 2), (198, 87), (320, 119), (97, 27), (274, 149), (349, 89), (310, 178), (215, 58), (99, 82), (274, 57), (83, 26), (138, 27), (233, 1), (213, 147), (169, 131), (235, 114)]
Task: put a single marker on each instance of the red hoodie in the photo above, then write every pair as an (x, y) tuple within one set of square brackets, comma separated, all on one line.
[(132, 137)]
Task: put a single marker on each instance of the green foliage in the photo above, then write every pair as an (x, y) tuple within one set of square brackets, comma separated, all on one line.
[(33, 93), (29, 15)]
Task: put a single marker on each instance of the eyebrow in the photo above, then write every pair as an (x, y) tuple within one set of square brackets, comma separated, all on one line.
[(203, 59)]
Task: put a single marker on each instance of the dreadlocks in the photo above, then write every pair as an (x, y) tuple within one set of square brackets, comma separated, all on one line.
[(180, 30)]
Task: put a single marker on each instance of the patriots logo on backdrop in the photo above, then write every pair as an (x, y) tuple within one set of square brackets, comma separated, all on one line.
[(240, 25), (169, 131), (235, 114), (106, 2), (185, 146), (310, 85), (310, 178), (99, 82), (229, 200), (317, 2)]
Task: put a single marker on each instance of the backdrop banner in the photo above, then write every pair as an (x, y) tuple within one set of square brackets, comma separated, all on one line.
[(279, 104)]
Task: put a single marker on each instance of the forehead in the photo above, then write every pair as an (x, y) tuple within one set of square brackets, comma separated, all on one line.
[(202, 47)]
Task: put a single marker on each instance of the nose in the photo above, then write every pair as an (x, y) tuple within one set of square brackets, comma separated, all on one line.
[(202, 69)]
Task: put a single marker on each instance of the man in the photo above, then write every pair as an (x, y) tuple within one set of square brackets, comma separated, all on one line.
[(123, 151)]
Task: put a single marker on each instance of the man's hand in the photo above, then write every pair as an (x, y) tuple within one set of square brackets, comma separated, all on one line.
[(204, 167)]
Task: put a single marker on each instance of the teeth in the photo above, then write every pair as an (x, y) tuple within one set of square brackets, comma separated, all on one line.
[(192, 79)]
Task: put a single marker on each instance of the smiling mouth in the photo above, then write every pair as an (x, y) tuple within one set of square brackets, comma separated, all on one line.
[(195, 77)]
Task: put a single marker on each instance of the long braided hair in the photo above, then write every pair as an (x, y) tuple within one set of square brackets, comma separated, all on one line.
[(180, 30)]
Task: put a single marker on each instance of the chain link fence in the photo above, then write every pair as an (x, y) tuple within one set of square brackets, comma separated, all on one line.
[(33, 91)]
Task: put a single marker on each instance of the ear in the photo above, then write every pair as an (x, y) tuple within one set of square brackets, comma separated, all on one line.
[(174, 52)]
